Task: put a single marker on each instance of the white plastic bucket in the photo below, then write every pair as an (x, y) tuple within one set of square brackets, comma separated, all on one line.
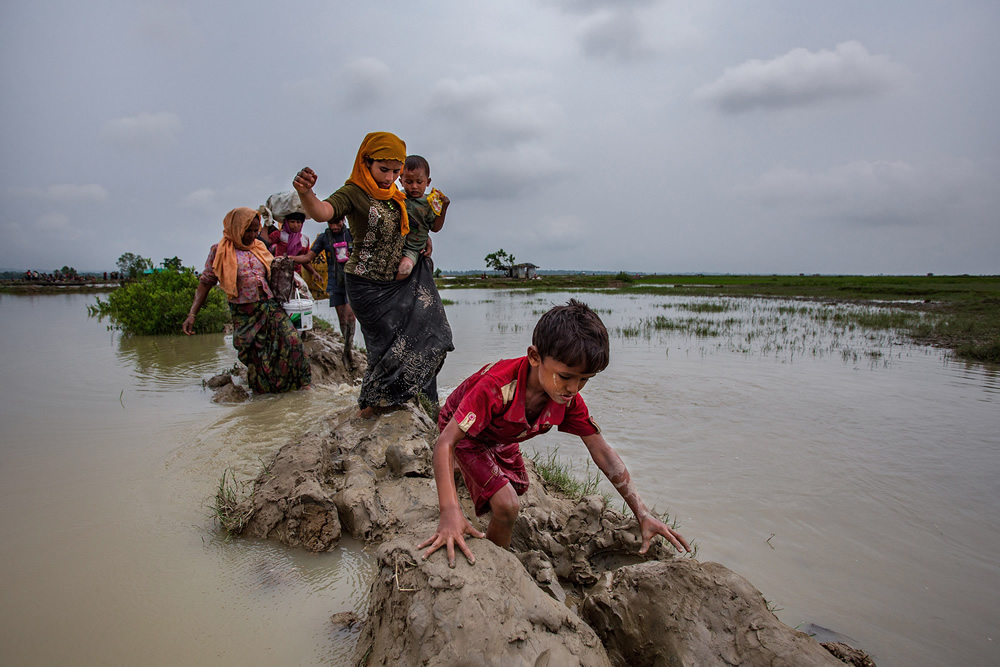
[(300, 312)]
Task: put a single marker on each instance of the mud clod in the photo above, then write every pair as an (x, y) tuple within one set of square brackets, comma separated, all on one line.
[(328, 363)]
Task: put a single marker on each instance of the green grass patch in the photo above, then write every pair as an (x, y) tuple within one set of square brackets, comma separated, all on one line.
[(708, 306), (649, 326), (228, 510), (961, 313), (430, 408), (558, 475)]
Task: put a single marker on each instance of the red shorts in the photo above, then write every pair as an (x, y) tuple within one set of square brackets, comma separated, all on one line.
[(488, 468)]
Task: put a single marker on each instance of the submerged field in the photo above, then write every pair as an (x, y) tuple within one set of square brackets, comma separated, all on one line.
[(961, 313)]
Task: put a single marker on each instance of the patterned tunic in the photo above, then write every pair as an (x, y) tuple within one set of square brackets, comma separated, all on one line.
[(375, 226), (265, 339), (251, 276), (378, 249)]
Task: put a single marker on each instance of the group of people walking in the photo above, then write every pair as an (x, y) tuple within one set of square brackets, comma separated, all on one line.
[(378, 274)]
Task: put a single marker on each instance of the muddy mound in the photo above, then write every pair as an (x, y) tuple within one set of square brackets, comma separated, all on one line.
[(682, 612), (573, 590), (325, 351), (423, 612), (328, 363), (292, 501), (366, 477)]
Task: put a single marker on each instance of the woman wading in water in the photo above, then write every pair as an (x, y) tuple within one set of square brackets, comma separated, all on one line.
[(265, 339)]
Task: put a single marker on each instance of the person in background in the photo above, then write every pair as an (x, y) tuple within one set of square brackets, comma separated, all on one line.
[(336, 241), (291, 242), (267, 227), (265, 339)]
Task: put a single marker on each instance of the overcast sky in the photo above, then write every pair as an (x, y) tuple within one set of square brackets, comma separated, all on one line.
[(642, 135)]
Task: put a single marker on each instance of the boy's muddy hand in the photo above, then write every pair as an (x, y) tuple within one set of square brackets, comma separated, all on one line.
[(452, 530), (304, 180), (650, 527)]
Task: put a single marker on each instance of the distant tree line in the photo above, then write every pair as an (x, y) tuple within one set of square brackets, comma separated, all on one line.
[(130, 267)]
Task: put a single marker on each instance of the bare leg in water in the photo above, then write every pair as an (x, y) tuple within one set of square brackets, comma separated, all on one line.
[(346, 317)]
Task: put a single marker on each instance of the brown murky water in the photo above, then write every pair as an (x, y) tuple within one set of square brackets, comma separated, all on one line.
[(854, 479)]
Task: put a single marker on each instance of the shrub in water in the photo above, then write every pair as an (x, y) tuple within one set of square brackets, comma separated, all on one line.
[(159, 302)]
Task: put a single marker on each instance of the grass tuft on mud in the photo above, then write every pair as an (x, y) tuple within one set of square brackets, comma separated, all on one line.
[(229, 497), (558, 474)]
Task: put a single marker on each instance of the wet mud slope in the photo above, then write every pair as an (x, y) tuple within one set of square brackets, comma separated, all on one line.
[(571, 591)]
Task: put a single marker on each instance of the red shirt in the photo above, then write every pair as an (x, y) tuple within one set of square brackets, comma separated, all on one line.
[(489, 407)]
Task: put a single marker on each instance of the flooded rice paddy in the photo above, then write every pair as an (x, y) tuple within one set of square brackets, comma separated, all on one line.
[(852, 477)]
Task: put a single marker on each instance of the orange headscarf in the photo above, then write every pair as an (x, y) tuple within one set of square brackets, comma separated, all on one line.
[(236, 223), (381, 146)]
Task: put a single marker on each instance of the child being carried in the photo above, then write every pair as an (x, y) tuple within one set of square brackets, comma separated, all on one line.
[(426, 213)]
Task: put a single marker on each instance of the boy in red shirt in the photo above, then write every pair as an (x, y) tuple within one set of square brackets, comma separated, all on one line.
[(509, 401)]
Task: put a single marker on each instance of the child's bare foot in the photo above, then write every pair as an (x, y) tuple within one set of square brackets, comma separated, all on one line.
[(367, 413)]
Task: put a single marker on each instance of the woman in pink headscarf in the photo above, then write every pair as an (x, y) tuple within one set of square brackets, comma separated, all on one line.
[(290, 241)]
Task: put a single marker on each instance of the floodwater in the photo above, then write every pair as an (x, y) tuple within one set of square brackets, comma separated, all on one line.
[(851, 477)]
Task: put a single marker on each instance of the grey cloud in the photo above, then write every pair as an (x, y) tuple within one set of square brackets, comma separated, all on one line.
[(874, 193), (143, 131), (64, 192), (368, 83), (502, 172), (521, 127), (496, 132), (481, 109), (203, 200), (802, 77), (618, 36), (590, 6), (58, 226), (610, 29), (564, 231), (239, 191), (168, 24), (69, 192)]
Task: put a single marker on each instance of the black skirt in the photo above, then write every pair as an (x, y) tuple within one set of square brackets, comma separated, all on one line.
[(406, 331)]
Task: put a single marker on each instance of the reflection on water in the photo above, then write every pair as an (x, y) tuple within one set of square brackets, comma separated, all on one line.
[(852, 477), (161, 362)]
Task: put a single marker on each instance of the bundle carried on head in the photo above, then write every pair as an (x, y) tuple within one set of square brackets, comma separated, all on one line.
[(281, 205)]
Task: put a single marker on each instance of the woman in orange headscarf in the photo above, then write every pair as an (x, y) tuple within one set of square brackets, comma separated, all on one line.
[(406, 331), (265, 339)]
